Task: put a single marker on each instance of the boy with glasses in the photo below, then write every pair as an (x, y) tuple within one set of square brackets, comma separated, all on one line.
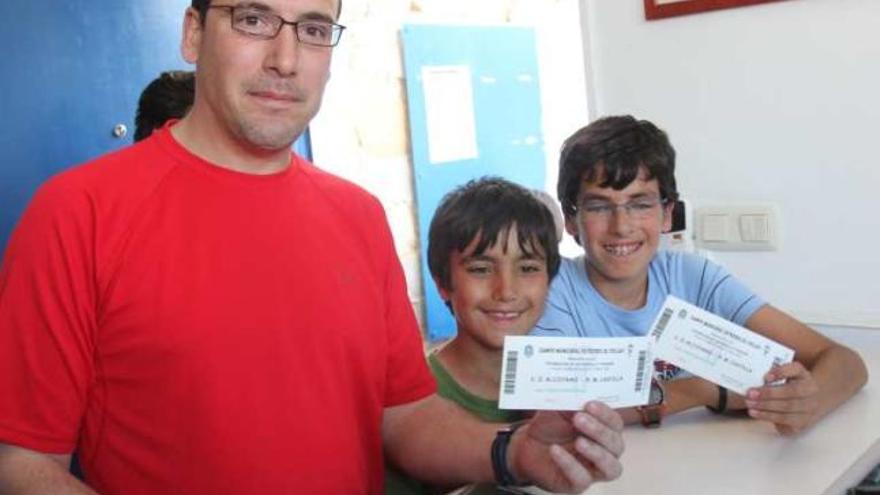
[(617, 189)]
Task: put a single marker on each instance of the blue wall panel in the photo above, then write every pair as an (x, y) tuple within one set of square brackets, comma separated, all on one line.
[(72, 70), (506, 93)]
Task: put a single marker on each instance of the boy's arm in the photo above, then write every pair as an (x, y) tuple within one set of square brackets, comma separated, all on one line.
[(436, 441), (823, 375), (24, 471), (680, 395)]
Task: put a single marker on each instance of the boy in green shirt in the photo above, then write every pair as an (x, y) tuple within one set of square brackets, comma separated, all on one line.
[(492, 251)]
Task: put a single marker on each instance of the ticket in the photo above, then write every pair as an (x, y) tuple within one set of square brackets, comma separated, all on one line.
[(563, 373), (713, 348)]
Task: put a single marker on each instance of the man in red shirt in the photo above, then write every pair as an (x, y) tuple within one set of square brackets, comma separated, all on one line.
[(205, 312)]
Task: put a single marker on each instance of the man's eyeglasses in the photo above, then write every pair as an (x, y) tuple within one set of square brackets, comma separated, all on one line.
[(265, 25), (639, 209)]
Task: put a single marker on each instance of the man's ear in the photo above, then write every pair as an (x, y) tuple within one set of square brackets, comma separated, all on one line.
[(192, 35)]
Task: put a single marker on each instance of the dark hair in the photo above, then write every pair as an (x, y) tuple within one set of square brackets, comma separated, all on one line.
[(488, 207), (619, 147), (169, 96), (202, 7)]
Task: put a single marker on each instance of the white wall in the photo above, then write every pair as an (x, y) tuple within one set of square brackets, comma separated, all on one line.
[(772, 103)]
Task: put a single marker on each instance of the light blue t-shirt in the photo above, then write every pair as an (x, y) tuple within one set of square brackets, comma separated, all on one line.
[(574, 308)]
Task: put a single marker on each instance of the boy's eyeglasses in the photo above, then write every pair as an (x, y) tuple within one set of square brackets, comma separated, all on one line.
[(640, 209), (265, 25)]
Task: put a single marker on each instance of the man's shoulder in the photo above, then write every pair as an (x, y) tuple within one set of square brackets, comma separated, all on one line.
[(104, 193), (93, 202), (118, 172)]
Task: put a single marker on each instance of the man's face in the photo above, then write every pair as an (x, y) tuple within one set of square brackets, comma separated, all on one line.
[(619, 243), (496, 293), (262, 92)]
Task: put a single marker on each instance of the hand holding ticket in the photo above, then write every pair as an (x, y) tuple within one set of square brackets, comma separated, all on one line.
[(563, 373), (713, 348)]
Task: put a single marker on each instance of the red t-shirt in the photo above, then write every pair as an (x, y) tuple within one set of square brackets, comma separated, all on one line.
[(191, 329)]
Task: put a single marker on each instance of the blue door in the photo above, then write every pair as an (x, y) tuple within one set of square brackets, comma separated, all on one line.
[(478, 88), (71, 71)]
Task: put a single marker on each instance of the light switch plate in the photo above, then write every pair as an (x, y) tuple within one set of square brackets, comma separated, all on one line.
[(741, 227), (715, 227)]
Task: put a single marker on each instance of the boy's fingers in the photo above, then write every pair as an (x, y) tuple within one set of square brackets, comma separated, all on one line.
[(599, 433), (605, 414), (606, 463), (790, 370), (578, 477), (793, 389), (780, 406), (789, 422)]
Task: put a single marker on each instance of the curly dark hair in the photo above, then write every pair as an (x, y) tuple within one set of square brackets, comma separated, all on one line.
[(169, 96), (618, 147)]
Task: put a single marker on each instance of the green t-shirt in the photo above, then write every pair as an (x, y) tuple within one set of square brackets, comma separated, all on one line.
[(397, 483)]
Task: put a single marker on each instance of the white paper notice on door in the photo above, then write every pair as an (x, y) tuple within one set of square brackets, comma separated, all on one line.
[(449, 112)]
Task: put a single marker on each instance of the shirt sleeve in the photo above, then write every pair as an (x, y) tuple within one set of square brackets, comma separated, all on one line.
[(408, 377), (47, 321), (719, 292)]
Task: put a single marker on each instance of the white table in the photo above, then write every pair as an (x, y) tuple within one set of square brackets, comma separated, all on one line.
[(698, 452)]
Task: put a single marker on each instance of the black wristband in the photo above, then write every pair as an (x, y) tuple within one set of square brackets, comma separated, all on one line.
[(503, 476), (722, 401)]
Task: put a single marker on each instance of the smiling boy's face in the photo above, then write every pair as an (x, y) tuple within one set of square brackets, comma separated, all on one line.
[(498, 292), (620, 246)]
